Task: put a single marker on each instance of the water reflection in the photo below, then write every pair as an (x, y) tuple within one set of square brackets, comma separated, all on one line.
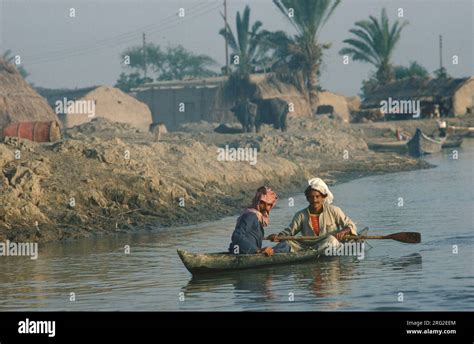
[(411, 262), (326, 277)]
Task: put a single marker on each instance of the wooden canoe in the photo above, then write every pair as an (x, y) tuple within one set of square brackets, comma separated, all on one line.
[(420, 144), (217, 262), (401, 146), (389, 146), (206, 263)]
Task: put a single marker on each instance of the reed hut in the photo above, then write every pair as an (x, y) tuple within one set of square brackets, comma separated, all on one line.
[(19, 102), (454, 96)]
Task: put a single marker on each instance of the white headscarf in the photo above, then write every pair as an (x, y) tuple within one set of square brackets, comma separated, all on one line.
[(319, 185)]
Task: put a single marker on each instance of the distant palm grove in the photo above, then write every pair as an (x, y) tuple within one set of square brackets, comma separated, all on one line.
[(294, 57)]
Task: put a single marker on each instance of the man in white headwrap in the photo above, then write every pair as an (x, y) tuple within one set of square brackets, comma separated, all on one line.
[(319, 219)]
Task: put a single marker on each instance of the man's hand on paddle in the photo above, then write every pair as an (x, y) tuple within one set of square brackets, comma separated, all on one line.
[(342, 234), (273, 237)]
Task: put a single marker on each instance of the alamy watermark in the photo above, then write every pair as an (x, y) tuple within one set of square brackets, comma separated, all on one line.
[(356, 249), (75, 107), (37, 327), (237, 154), (19, 249), (401, 107)]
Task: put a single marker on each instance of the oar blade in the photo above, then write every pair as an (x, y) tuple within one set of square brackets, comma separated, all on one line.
[(406, 237)]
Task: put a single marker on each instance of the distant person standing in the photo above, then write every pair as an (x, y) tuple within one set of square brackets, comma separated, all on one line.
[(442, 126), (437, 114), (158, 130)]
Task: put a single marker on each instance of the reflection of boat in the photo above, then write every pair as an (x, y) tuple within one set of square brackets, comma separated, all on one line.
[(453, 142), (421, 144), (257, 281), (409, 262), (215, 262)]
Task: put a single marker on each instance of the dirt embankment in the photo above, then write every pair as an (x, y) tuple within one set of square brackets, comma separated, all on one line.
[(106, 177)]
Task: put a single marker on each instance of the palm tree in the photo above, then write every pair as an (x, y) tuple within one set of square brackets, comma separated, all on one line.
[(9, 57), (245, 44), (414, 70), (246, 56), (299, 56), (375, 43)]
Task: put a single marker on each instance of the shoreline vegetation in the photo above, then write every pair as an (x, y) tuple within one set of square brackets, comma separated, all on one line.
[(105, 177)]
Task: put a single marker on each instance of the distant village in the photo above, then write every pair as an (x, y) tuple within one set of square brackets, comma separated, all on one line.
[(265, 69)]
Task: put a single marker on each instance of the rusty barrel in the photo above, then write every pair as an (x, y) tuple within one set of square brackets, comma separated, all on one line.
[(49, 131)]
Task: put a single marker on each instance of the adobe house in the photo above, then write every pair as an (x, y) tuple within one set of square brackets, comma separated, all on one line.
[(177, 102), (108, 102), (455, 97)]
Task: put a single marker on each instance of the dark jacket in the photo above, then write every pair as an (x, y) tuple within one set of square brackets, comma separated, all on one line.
[(248, 234)]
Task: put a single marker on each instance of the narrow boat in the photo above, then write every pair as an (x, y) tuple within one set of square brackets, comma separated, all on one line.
[(421, 144), (401, 146), (217, 262), (205, 263), (388, 146)]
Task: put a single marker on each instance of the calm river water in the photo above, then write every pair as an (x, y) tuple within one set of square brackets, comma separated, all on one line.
[(437, 202)]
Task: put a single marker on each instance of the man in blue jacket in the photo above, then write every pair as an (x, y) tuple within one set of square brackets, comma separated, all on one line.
[(248, 234)]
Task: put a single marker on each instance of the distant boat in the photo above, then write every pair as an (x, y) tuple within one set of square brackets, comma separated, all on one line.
[(402, 147), (420, 144), (388, 146)]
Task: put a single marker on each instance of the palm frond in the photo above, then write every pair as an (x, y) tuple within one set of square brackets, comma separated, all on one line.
[(374, 42)]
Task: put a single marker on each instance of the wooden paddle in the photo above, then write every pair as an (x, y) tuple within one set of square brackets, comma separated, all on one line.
[(406, 237)]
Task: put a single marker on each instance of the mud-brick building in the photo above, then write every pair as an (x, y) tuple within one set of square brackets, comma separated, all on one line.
[(109, 102), (454, 96)]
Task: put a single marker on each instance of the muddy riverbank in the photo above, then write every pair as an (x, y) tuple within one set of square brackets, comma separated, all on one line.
[(107, 178)]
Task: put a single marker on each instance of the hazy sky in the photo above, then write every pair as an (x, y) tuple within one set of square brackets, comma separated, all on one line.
[(59, 51)]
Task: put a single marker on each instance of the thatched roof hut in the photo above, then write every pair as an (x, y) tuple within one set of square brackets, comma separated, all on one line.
[(110, 103), (459, 93), (19, 102)]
